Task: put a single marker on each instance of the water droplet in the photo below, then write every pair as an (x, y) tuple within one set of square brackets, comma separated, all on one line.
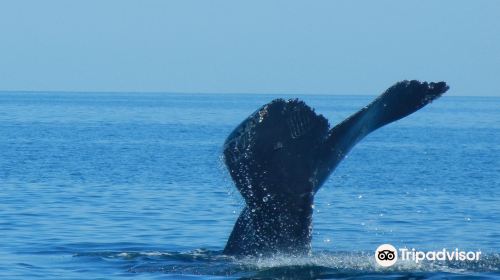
[(312, 206), (360, 196), (265, 199), (253, 210)]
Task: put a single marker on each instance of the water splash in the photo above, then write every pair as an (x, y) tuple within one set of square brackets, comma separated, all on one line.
[(322, 265)]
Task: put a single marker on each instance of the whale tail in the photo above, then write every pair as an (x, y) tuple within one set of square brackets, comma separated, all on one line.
[(281, 155)]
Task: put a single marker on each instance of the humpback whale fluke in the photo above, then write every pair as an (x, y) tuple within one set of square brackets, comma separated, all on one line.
[(281, 155)]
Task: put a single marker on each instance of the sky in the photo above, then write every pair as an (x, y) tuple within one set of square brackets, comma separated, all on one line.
[(227, 46)]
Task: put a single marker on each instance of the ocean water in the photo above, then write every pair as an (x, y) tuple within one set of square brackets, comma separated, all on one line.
[(130, 185)]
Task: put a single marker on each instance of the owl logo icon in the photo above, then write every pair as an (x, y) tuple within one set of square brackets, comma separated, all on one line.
[(386, 255)]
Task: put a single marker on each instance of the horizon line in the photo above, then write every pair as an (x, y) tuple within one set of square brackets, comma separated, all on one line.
[(216, 93)]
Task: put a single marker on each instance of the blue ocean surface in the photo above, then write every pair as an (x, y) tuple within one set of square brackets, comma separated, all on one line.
[(132, 185)]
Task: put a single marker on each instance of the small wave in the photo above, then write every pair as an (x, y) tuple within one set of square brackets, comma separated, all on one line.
[(322, 265)]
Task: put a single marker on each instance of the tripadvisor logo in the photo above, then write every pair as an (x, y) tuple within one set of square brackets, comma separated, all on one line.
[(386, 255)]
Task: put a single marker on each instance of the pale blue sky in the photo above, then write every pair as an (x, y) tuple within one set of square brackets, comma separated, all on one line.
[(320, 47)]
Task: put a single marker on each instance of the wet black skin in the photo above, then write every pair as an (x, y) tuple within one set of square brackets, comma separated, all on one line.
[(281, 155)]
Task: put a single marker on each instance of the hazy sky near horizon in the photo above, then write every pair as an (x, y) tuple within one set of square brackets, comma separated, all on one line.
[(319, 47)]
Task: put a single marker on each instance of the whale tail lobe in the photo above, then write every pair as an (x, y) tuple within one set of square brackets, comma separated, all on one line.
[(397, 102)]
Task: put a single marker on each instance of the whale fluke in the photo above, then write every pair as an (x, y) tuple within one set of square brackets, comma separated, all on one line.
[(281, 155)]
